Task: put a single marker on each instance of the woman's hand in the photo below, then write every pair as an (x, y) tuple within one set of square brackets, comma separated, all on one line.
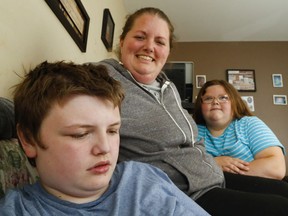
[(232, 165)]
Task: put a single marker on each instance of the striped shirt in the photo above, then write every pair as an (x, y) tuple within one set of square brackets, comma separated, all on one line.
[(242, 139)]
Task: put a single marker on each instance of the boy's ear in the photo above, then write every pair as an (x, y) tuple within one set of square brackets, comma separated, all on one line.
[(28, 145)]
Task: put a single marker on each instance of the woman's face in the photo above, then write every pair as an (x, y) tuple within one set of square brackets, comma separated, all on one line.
[(218, 113), (146, 47)]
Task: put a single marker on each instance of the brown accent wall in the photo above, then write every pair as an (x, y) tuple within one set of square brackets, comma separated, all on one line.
[(266, 58)]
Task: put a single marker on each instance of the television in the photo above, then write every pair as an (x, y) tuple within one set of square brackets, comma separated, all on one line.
[(181, 75)]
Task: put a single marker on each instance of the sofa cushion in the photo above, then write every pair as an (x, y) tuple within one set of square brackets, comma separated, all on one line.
[(15, 170), (7, 121)]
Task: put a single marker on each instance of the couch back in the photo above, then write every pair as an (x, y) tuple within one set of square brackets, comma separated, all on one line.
[(15, 170)]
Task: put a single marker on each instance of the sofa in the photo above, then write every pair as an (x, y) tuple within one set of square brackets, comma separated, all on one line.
[(15, 170)]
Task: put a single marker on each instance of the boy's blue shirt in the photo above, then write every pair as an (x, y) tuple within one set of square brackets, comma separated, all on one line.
[(135, 189)]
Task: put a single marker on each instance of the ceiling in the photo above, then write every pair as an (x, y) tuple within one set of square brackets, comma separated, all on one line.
[(222, 20)]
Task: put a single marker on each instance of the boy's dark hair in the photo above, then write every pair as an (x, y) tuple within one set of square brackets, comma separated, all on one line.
[(50, 83)]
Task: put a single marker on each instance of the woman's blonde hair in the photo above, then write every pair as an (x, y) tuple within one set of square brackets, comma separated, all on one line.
[(147, 10)]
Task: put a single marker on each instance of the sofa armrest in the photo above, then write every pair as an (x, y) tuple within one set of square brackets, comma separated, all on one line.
[(15, 170)]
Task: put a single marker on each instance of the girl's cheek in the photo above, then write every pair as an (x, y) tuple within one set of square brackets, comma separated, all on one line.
[(204, 108)]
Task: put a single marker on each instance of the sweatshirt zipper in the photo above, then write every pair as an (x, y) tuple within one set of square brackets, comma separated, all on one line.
[(164, 86)]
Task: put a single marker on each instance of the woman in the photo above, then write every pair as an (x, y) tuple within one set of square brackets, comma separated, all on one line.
[(75, 150), (155, 129), (240, 142)]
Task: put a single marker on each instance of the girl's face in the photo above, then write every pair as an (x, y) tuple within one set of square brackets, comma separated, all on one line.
[(216, 107), (145, 48)]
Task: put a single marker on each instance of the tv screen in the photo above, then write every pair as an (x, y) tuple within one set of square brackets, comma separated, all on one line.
[(180, 73), (177, 76)]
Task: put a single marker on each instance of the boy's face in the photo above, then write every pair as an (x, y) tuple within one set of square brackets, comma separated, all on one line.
[(82, 140)]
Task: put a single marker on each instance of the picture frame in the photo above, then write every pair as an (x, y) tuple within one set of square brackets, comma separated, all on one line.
[(242, 79), (200, 80), (249, 100), (277, 80), (74, 18), (280, 99), (108, 27)]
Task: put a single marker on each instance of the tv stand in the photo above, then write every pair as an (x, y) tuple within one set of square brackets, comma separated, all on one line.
[(188, 106)]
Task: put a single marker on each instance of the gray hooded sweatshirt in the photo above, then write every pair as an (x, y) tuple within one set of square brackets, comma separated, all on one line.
[(162, 133)]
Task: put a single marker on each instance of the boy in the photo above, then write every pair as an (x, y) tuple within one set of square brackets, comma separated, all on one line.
[(68, 123)]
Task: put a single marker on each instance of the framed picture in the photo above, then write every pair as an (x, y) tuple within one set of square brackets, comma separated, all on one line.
[(200, 80), (277, 80), (242, 80), (74, 18), (108, 26), (249, 100), (280, 99)]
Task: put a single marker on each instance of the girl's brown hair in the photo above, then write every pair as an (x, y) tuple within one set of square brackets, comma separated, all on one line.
[(238, 106)]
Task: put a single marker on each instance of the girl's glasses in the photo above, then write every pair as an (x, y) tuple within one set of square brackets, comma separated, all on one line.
[(220, 99)]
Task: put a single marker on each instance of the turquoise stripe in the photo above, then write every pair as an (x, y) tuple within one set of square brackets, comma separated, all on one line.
[(252, 136)]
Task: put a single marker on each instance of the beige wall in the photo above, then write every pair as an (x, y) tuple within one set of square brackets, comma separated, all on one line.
[(30, 33), (266, 58)]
